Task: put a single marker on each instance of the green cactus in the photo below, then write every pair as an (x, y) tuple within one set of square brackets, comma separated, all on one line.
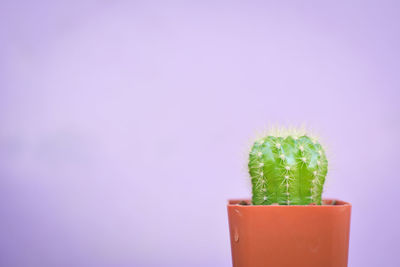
[(287, 170)]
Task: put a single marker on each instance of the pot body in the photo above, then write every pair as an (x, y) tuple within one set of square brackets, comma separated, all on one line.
[(289, 236)]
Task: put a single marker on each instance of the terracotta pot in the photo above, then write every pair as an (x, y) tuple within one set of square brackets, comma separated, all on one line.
[(292, 236)]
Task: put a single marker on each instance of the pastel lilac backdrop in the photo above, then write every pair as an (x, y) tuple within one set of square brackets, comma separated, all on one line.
[(124, 125)]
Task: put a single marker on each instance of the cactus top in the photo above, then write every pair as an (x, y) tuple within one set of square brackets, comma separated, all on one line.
[(287, 170)]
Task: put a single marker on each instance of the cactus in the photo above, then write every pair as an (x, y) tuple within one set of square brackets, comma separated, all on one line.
[(287, 169)]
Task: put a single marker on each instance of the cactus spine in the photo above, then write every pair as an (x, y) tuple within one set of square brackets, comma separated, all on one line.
[(288, 170)]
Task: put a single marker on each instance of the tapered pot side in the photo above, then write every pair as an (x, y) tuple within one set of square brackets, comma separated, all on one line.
[(292, 236)]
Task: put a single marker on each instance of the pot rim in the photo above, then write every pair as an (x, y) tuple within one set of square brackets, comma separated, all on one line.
[(338, 203)]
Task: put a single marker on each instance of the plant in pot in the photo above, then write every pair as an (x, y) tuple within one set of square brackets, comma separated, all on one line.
[(287, 223)]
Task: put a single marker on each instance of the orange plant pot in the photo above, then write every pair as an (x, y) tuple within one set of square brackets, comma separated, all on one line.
[(289, 236)]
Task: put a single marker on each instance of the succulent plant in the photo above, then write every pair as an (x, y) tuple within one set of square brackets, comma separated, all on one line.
[(287, 169)]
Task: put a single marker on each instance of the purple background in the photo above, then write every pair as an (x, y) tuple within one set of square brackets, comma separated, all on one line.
[(124, 125)]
